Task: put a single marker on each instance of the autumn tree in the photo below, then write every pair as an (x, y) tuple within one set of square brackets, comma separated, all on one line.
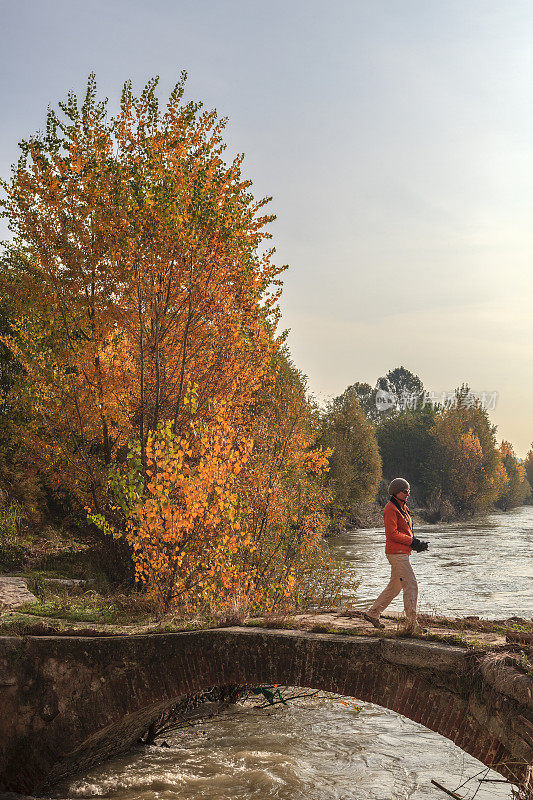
[(366, 397), (21, 482), (10, 368), (233, 517), (285, 515), (449, 454), (461, 457), (529, 466), (355, 465), (183, 524), (150, 352), (516, 487), (140, 250), (466, 463)]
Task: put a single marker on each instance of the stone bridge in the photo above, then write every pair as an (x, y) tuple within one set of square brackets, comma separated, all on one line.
[(69, 702)]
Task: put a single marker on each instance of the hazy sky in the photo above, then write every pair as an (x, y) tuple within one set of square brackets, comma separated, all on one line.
[(396, 138)]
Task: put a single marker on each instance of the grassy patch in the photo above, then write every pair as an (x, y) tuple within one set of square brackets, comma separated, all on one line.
[(456, 640), (27, 624), (74, 606), (480, 625)]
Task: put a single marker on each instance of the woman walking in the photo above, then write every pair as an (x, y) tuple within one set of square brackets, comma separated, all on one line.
[(398, 548)]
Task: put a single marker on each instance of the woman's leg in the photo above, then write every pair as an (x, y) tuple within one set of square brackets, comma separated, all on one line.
[(409, 583), (392, 590)]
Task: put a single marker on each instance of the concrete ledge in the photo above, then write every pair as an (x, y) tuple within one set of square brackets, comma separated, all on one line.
[(424, 655), (364, 646)]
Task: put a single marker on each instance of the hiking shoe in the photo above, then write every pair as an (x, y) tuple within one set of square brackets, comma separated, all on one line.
[(413, 630), (373, 621)]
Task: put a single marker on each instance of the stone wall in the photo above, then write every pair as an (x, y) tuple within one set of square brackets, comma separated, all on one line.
[(71, 702)]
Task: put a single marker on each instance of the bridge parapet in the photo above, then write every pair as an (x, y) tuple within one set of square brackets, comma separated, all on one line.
[(71, 702)]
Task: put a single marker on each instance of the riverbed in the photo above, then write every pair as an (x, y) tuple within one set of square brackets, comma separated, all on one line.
[(334, 749)]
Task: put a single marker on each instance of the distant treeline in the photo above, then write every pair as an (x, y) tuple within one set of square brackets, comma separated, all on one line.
[(448, 451)]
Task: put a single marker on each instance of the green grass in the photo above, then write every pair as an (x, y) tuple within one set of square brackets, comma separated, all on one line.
[(76, 613), (91, 607), (24, 623)]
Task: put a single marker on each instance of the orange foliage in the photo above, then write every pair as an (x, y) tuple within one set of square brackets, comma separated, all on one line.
[(184, 526), (471, 461), (285, 507), (137, 247), (226, 520), (507, 450), (463, 456), (148, 319), (468, 465)]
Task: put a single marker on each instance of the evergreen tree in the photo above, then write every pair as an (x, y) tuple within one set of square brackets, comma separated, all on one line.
[(406, 443)]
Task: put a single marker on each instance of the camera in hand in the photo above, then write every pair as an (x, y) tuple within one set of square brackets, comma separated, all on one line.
[(418, 545)]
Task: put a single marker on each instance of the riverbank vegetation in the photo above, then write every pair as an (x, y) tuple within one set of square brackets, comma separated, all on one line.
[(155, 434), (148, 399), (446, 448)]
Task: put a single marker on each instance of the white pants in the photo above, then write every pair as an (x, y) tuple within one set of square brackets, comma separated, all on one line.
[(403, 578)]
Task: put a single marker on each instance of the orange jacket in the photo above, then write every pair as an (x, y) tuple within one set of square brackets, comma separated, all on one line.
[(398, 529)]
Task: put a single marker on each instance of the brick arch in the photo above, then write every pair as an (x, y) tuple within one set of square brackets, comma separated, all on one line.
[(71, 702)]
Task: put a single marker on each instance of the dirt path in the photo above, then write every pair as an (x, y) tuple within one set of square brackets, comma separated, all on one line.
[(352, 622)]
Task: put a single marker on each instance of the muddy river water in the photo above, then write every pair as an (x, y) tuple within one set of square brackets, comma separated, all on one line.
[(330, 749)]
